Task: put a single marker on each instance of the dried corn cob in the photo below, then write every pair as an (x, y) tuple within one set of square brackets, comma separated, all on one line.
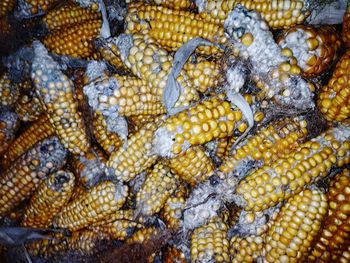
[(219, 148), (9, 124), (135, 157), (290, 236), (155, 191), (68, 15), (346, 26), (174, 255), (21, 179), (110, 53), (28, 107), (6, 6), (277, 13), (334, 100), (270, 143), (246, 249), (9, 92), (51, 196), (209, 242), (55, 91), (143, 235), (315, 49), (172, 28), (334, 237), (127, 215), (30, 8), (212, 118), (48, 247), (286, 177), (36, 132), (85, 241), (119, 229), (193, 166), (75, 41), (176, 4), (151, 63), (100, 201), (138, 121)]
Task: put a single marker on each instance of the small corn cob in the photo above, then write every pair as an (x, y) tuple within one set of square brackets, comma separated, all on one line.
[(334, 237), (55, 92), (286, 177), (246, 249), (6, 6), (30, 8), (21, 179), (159, 185), (334, 100), (212, 118), (193, 166), (346, 26), (291, 234), (135, 157), (174, 255), (209, 242), (36, 132), (172, 28), (270, 143), (51, 196), (277, 13), (315, 49), (28, 107), (9, 123), (151, 63), (100, 201), (75, 41), (9, 91), (68, 15), (176, 4)]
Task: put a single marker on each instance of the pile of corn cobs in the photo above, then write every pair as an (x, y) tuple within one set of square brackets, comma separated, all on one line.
[(214, 131)]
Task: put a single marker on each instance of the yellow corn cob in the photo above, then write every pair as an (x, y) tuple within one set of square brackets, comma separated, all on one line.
[(9, 124), (291, 234), (28, 107), (36, 132), (48, 248), (68, 15), (155, 191), (21, 179), (136, 156), (174, 255), (246, 249), (127, 215), (346, 26), (205, 121), (151, 63), (270, 143), (75, 41), (193, 166), (78, 191), (172, 28), (100, 201), (334, 237), (176, 4), (9, 92), (51, 196), (110, 53), (315, 49), (36, 7), (138, 121), (334, 100), (209, 242), (143, 235), (55, 92), (277, 13), (6, 6)]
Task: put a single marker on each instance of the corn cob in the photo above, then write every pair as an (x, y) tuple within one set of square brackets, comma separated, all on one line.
[(151, 63), (119, 229), (9, 124), (213, 118), (85, 241), (346, 26), (286, 177), (110, 53), (55, 92), (176, 4), (136, 122), (172, 28), (315, 49), (78, 191), (334, 100), (278, 14), (51, 196), (119, 215), (143, 235), (75, 41), (159, 185), (47, 248), (334, 237), (246, 249), (291, 234), (193, 166), (9, 92), (209, 242), (174, 255), (30, 8), (21, 179), (36, 132), (28, 107), (135, 157), (270, 143), (68, 15), (6, 6), (100, 201)]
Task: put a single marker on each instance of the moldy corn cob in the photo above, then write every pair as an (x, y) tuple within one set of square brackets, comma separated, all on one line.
[(286, 177), (52, 195), (124, 215), (30, 8), (21, 179), (9, 91), (118, 229), (99, 202), (334, 236), (334, 100), (55, 91), (28, 107), (9, 124), (246, 249), (291, 234)]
